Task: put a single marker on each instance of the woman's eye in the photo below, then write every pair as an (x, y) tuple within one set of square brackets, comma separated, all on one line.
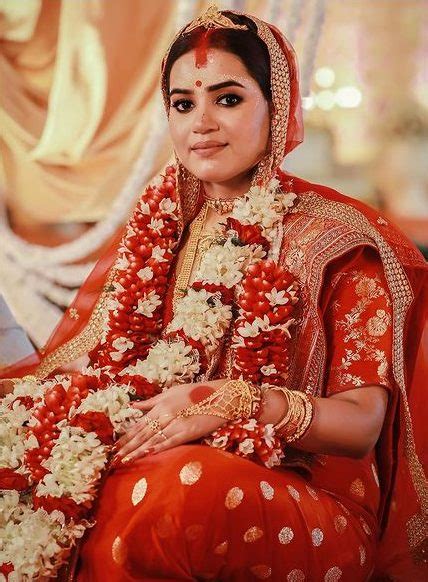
[(229, 100), (182, 105)]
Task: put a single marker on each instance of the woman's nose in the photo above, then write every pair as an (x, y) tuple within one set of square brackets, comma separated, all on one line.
[(204, 123)]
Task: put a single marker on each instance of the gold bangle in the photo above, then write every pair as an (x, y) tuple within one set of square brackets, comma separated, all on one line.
[(298, 418)]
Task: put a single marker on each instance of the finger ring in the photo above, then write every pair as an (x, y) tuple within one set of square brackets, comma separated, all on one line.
[(152, 423), (160, 431)]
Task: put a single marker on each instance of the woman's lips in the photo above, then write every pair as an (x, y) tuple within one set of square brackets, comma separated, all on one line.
[(207, 149)]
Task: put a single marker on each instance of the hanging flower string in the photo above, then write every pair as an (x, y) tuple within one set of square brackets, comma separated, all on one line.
[(58, 433)]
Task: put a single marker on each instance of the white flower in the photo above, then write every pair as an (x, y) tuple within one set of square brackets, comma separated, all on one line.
[(158, 254), (33, 541), (168, 206), (202, 317), (167, 363), (274, 459), (75, 465), (246, 447), (253, 329), (219, 442), (118, 288), (251, 424), (114, 402), (121, 345), (276, 297), (156, 224), (268, 370), (122, 262), (145, 274), (288, 199), (145, 208), (269, 434), (224, 264), (148, 305), (265, 206)]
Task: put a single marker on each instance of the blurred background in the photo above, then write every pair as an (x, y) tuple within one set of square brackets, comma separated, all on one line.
[(83, 128)]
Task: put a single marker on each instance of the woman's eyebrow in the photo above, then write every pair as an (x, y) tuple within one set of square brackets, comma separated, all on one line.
[(211, 88)]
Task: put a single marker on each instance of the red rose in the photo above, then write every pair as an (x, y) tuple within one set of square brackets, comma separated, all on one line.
[(96, 422), (69, 508), (9, 479), (227, 295), (248, 234), (143, 388)]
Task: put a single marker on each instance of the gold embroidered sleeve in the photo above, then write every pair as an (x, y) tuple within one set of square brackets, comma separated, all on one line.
[(358, 325)]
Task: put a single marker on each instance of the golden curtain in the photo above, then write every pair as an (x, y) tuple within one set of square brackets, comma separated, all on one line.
[(79, 78)]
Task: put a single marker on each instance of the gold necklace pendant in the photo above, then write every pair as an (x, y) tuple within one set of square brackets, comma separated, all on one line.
[(220, 205)]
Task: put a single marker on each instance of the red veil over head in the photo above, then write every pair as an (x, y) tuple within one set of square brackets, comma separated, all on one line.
[(405, 270)]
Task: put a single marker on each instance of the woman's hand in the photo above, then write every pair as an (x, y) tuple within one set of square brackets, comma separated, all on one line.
[(145, 437)]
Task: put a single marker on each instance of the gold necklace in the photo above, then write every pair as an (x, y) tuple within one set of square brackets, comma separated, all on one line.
[(190, 251), (221, 205)]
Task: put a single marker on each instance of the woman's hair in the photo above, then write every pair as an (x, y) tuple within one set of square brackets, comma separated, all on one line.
[(245, 44)]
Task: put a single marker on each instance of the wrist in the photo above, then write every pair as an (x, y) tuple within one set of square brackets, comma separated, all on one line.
[(274, 406)]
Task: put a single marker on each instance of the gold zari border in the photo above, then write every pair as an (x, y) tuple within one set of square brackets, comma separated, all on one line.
[(312, 204)]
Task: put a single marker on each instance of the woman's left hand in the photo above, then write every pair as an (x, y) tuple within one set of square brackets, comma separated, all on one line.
[(143, 438)]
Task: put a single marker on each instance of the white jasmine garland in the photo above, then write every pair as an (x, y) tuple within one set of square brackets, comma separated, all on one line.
[(224, 264), (264, 206), (167, 363), (202, 317), (75, 465), (33, 541), (114, 402), (12, 435)]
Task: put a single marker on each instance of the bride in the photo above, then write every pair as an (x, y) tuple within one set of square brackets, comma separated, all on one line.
[(258, 322)]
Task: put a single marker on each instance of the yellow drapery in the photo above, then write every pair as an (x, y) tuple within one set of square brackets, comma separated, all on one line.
[(79, 78)]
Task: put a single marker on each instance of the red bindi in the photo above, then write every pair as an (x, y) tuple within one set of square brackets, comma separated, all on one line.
[(198, 83)]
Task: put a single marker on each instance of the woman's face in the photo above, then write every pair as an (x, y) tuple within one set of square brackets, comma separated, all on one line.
[(219, 118)]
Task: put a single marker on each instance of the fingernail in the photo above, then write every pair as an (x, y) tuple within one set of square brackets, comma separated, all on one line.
[(126, 460), (148, 451)]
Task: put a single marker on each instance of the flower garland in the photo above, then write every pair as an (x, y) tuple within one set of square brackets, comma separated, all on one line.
[(58, 433)]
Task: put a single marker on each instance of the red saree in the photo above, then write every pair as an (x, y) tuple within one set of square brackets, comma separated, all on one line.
[(197, 513)]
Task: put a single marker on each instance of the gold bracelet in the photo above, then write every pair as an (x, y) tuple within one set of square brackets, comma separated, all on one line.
[(222, 402), (285, 420), (298, 418)]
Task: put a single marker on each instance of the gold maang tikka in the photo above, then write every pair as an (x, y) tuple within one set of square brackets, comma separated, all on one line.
[(213, 18)]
